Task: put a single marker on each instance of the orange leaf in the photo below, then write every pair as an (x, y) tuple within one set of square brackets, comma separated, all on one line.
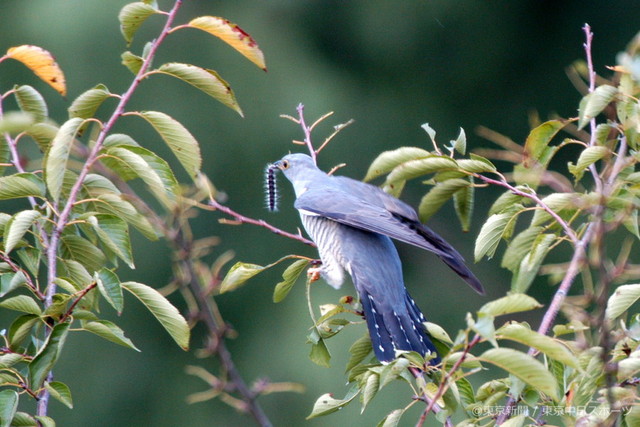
[(231, 34), (42, 63)]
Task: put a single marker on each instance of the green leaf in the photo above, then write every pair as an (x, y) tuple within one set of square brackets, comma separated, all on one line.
[(476, 165), (231, 34), (10, 282), (463, 203), (412, 169), (60, 392), (538, 141), (181, 142), (439, 195), (80, 249), (519, 247), (168, 316), (513, 303), (290, 277), (22, 303), (593, 103), (369, 388), (21, 185), (131, 16), (490, 235), (208, 81), (460, 144), (430, 131), (30, 101), (553, 348), (531, 262), (109, 331), (21, 328), (115, 204), (507, 200), (622, 299), (389, 160), (326, 404), (22, 419), (589, 156), (58, 155), (42, 133), (557, 202), (133, 161), (114, 234), (132, 62), (86, 105), (8, 406), (392, 419), (359, 350), (523, 366), (517, 421), (46, 358), (109, 287), (319, 352), (15, 122), (238, 275), (17, 226)]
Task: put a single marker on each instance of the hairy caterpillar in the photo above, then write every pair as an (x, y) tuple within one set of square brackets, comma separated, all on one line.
[(270, 186)]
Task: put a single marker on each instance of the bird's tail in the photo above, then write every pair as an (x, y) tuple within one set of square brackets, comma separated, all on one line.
[(396, 328)]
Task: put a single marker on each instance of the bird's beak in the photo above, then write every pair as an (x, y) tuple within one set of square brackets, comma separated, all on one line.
[(276, 165)]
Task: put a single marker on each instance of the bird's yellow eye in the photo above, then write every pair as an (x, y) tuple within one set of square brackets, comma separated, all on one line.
[(285, 164)]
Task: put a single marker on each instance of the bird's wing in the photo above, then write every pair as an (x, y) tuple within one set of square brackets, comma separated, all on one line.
[(345, 208)]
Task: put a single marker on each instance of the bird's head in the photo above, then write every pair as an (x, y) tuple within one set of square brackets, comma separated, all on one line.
[(299, 169)]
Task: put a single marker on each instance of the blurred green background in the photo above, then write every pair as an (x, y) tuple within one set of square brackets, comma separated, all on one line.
[(390, 66)]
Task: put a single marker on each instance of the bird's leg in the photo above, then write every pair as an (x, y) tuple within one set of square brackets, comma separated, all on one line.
[(313, 273)]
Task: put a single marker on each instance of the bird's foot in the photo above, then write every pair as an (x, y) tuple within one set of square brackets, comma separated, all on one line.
[(313, 274)]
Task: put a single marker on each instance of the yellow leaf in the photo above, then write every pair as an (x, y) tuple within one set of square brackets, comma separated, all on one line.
[(42, 63), (231, 34)]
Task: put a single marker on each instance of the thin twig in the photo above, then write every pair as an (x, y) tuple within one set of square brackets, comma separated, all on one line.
[(307, 132)]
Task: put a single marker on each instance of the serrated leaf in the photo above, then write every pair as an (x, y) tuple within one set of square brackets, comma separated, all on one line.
[(389, 160), (621, 300), (476, 165), (21, 185), (438, 196), (531, 262), (42, 63), (238, 275), (42, 133), (83, 251), (132, 62), (8, 406), (46, 358), (60, 392), (114, 234), (22, 419), (22, 303), (115, 204), (10, 282), (519, 247), (181, 142), (538, 141), (593, 103), (460, 144), (463, 202), (490, 235), (326, 404), (506, 201), (513, 303), (231, 34), (414, 168), (392, 419), (17, 226), (359, 350), (369, 389), (168, 316), (438, 332), (109, 287), (557, 202), (109, 331), (523, 366), (208, 81), (290, 277), (131, 16), (589, 156), (319, 353), (32, 102), (58, 155), (21, 328), (131, 161), (86, 105), (547, 345)]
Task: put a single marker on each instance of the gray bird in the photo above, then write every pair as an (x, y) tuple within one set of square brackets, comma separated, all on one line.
[(352, 224)]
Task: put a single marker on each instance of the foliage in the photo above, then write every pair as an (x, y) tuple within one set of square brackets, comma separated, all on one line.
[(581, 370), (67, 216)]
